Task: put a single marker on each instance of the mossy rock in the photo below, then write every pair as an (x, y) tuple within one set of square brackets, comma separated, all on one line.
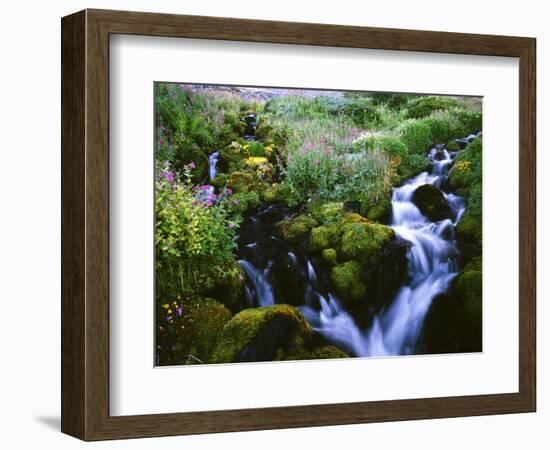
[(353, 218), (322, 352), (431, 202), (277, 192), (454, 321), (364, 241), (326, 212), (330, 256), (261, 334), (194, 332), (241, 182), (347, 281), (452, 146), (381, 212), (296, 230), (469, 234), (323, 237)]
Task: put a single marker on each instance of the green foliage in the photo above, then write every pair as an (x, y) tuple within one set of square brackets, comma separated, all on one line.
[(364, 241), (346, 279), (194, 239), (424, 106), (330, 256), (444, 126), (416, 135), (362, 112), (188, 329), (392, 145)]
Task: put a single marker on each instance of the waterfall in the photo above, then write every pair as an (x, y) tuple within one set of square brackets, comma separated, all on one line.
[(213, 164), (395, 330), (432, 263)]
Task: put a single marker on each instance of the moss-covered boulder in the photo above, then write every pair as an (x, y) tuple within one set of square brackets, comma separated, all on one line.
[(265, 334), (381, 211), (241, 182), (277, 192), (189, 330), (347, 281), (330, 256), (469, 234), (297, 229), (323, 237), (454, 322), (452, 146), (321, 352), (363, 240), (431, 202), (326, 212)]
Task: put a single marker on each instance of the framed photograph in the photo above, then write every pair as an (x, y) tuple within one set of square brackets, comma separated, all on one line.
[(270, 224)]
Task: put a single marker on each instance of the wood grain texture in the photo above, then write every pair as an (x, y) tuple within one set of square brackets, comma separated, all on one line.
[(85, 224)]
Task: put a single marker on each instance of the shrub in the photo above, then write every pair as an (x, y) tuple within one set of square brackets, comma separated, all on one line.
[(423, 106), (444, 126), (416, 135), (195, 235), (389, 144)]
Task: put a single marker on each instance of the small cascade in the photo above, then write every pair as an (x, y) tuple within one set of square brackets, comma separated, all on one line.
[(213, 164), (271, 264)]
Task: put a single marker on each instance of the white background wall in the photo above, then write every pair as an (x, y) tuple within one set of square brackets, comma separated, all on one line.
[(30, 221)]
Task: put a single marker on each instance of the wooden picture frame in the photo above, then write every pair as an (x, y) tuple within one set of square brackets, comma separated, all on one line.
[(85, 224)]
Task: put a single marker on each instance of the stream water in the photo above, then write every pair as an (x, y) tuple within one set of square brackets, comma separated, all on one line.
[(281, 273)]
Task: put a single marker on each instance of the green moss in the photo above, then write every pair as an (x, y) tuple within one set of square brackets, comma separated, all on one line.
[(475, 264), (326, 212), (191, 337), (416, 135), (240, 332), (322, 352), (241, 182), (330, 256), (244, 202), (220, 180), (470, 228), (229, 285), (297, 229), (364, 241), (347, 282), (381, 211), (468, 290), (277, 192), (323, 237), (409, 167), (353, 218), (452, 146)]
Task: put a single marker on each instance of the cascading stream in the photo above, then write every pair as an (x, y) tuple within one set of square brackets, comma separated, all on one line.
[(432, 264)]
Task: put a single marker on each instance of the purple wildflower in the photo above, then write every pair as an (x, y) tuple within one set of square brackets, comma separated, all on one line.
[(192, 165)]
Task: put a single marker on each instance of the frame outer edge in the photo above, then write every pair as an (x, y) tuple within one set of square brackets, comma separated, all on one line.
[(85, 228), (73, 227)]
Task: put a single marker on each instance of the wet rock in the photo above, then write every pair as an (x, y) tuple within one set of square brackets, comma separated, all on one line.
[(431, 202)]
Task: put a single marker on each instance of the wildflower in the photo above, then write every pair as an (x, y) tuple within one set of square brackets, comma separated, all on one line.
[(208, 203), (236, 202), (192, 165), (314, 162), (169, 176), (241, 278), (161, 141), (228, 191), (179, 310), (230, 225), (169, 318), (166, 306)]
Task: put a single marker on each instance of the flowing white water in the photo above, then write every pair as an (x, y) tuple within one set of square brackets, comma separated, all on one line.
[(432, 264), (213, 164)]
